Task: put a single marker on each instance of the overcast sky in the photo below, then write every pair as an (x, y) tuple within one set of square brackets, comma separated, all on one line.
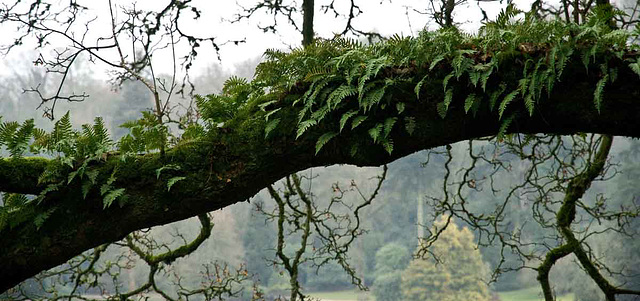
[(387, 18)]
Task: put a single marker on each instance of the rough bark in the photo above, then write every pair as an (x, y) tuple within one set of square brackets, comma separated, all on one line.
[(238, 161)]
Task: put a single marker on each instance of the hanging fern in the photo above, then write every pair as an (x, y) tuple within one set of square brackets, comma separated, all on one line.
[(323, 140), (598, 93)]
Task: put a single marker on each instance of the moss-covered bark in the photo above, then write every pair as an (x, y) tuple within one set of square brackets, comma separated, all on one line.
[(236, 162)]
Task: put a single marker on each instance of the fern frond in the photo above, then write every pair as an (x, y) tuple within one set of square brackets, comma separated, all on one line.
[(373, 98), (469, 102), (375, 132), (388, 145), (388, 126), (270, 126), (20, 139), (493, 99), (372, 69), (443, 106), (357, 121), (323, 140), (345, 117), (598, 93), (111, 196), (173, 181), (419, 86), (339, 94), (304, 126), (505, 101), (636, 66), (505, 126), (410, 125)]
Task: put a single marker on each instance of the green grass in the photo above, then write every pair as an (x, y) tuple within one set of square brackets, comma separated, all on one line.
[(337, 295), (529, 294)]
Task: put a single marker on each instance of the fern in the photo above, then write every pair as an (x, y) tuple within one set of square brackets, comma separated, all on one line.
[(318, 81), (505, 126), (323, 140), (16, 137), (506, 100), (484, 78), (39, 219), (373, 98), (419, 85), (598, 93), (388, 126), (493, 99), (357, 121), (372, 68), (436, 60), (375, 132), (270, 126), (145, 135), (304, 126), (173, 167), (339, 94), (111, 196), (445, 81), (469, 102), (529, 104), (410, 125), (388, 146), (173, 181), (636, 66), (345, 117), (443, 106)]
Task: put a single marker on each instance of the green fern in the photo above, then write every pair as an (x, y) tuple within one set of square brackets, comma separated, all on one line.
[(598, 93), (506, 100), (16, 137), (270, 126), (410, 125), (345, 118), (173, 181), (443, 106), (388, 126), (375, 132), (357, 121), (112, 195), (339, 94), (636, 66), (323, 140), (470, 102)]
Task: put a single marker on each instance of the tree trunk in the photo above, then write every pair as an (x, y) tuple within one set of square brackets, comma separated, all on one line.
[(308, 8)]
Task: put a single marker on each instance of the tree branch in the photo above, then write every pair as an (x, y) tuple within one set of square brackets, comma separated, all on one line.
[(237, 161)]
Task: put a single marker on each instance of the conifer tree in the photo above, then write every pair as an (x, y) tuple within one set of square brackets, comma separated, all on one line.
[(455, 272)]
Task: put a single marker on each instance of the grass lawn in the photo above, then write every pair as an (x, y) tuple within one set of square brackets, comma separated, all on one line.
[(528, 294), (347, 295)]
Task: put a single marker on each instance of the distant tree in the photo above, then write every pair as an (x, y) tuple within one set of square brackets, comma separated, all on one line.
[(392, 257), (454, 272), (390, 261)]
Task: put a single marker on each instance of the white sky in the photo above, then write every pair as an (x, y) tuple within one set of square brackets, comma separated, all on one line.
[(387, 18)]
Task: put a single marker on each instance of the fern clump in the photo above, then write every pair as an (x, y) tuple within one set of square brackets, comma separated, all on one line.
[(357, 87), (73, 153)]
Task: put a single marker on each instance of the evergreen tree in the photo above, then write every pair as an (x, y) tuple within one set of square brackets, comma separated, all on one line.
[(458, 274)]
